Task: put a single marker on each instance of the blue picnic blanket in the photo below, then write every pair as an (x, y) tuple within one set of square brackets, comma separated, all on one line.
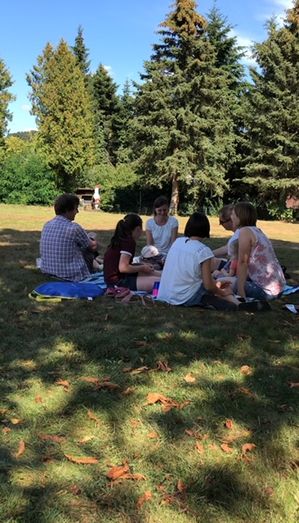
[(57, 290), (290, 289)]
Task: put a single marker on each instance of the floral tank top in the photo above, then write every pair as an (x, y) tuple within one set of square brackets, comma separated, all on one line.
[(264, 268)]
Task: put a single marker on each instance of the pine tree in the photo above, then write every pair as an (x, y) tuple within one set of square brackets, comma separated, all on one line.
[(125, 116), (5, 98), (63, 110), (107, 110), (228, 57), (272, 110), (81, 53), (183, 130)]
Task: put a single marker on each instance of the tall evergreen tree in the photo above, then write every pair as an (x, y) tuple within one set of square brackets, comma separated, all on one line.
[(107, 111), (125, 116), (183, 127), (228, 57), (81, 53), (5, 98), (63, 110), (272, 112)]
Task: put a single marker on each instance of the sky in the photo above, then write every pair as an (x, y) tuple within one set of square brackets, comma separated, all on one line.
[(118, 34)]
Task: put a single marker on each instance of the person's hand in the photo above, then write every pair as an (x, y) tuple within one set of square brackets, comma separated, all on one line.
[(147, 268), (224, 288)]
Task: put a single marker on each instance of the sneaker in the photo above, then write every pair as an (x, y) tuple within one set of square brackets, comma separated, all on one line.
[(254, 306)]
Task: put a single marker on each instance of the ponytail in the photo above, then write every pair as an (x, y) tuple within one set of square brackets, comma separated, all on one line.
[(124, 228)]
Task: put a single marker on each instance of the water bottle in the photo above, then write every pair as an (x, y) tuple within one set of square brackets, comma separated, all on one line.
[(155, 289)]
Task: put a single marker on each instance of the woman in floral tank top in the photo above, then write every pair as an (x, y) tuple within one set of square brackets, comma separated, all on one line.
[(259, 273)]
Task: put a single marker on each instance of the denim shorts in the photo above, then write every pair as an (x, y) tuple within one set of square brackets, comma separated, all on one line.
[(203, 298), (252, 290)]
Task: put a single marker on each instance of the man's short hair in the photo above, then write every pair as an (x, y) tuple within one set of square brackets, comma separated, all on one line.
[(66, 202), (198, 225)]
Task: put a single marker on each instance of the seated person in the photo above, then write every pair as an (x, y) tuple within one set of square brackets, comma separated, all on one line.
[(64, 243), (226, 222), (260, 275), (162, 229), (230, 269), (186, 278), (118, 267)]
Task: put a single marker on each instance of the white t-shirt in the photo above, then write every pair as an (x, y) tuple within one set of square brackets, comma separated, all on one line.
[(181, 276), (232, 239), (162, 233)]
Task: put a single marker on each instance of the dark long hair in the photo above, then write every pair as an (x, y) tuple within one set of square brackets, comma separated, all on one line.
[(124, 228)]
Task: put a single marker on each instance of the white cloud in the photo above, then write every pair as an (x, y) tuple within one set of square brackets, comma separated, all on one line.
[(246, 43), (108, 68), (276, 8), (285, 4)]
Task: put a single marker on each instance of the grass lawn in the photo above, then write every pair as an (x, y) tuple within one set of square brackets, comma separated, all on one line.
[(132, 414)]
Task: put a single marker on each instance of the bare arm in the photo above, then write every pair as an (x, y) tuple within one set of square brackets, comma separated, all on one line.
[(149, 238), (126, 267), (174, 234), (245, 246), (221, 251), (221, 289)]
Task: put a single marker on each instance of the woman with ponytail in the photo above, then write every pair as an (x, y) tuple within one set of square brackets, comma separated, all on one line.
[(118, 267)]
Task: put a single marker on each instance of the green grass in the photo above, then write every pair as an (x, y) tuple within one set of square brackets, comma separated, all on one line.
[(42, 343)]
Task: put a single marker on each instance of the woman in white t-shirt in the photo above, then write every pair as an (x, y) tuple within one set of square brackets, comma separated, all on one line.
[(162, 229), (186, 278)]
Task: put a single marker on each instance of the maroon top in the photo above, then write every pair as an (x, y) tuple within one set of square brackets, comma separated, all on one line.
[(112, 257)]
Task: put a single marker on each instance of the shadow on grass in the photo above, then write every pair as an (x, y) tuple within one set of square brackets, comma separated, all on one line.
[(103, 338)]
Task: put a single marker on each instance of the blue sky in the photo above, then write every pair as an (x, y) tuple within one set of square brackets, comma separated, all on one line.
[(118, 34)]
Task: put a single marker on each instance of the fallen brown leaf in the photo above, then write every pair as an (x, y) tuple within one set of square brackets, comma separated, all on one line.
[(163, 366), (135, 477), (248, 447), (269, 491), (181, 487), (21, 449), (226, 448), (128, 391), (199, 447), (145, 497), (85, 439), (74, 489), (134, 423), (63, 383), (51, 437), (155, 397), (6, 430), (140, 343), (38, 399), (82, 461), (293, 385), (228, 424), (189, 378), (246, 370), (152, 435), (138, 370), (247, 392), (117, 472), (16, 421), (92, 416)]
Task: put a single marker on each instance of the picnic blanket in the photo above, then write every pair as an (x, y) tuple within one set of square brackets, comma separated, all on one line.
[(290, 289), (66, 290)]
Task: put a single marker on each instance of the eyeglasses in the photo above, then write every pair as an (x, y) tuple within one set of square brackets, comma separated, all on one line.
[(222, 222)]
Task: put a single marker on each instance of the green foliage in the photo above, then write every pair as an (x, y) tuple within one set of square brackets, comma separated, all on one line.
[(183, 129), (5, 98), (62, 105), (112, 181), (107, 113), (81, 53), (27, 179), (272, 110)]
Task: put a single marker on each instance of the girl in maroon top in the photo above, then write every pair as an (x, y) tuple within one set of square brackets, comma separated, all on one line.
[(118, 267)]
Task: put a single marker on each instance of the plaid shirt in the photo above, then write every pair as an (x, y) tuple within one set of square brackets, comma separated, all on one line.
[(62, 242)]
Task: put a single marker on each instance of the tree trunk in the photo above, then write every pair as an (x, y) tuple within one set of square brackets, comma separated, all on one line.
[(174, 202)]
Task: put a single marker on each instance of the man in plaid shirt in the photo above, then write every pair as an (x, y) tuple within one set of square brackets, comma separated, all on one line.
[(63, 242)]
